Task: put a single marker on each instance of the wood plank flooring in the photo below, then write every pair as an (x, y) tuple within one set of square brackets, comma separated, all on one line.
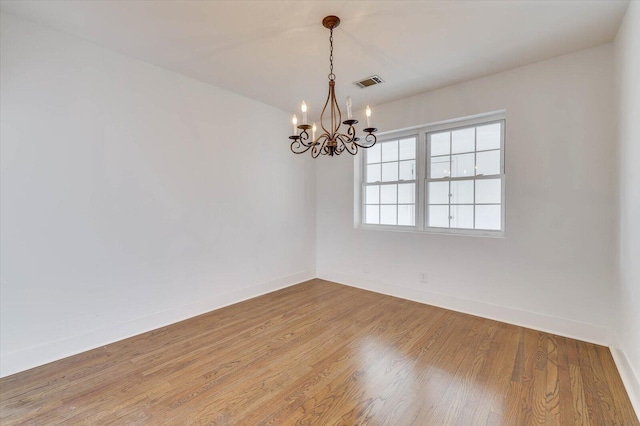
[(320, 353)]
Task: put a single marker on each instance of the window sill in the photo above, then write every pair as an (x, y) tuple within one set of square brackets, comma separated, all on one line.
[(436, 231)]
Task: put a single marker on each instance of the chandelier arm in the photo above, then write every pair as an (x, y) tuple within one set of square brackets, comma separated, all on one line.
[(332, 108), (351, 133), (299, 148), (326, 150), (359, 145), (305, 139), (315, 152), (332, 94), (348, 144), (335, 107), (326, 103), (369, 138), (318, 146)]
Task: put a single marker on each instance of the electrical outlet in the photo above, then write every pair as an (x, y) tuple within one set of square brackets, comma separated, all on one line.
[(424, 277)]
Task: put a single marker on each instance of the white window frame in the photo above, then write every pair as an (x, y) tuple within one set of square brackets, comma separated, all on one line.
[(422, 176), (362, 183)]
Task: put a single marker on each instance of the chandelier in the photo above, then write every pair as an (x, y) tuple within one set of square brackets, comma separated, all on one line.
[(332, 141)]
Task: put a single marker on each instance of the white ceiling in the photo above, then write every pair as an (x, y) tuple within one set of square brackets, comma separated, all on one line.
[(277, 51)]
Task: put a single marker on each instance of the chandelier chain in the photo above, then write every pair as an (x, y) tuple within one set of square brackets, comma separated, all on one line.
[(332, 76)]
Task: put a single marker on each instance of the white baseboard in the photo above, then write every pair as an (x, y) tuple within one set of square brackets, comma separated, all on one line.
[(51, 351), (559, 326), (629, 378)]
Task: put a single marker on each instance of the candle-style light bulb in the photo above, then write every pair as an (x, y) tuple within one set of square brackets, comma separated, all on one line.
[(349, 115), (368, 113), (303, 107), (313, 132), (294, 121)]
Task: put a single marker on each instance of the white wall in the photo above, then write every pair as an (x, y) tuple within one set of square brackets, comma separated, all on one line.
[(627, 55), (554, 270), (133, 197)]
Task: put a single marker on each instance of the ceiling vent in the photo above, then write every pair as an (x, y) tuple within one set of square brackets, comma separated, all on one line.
[(369, 81)]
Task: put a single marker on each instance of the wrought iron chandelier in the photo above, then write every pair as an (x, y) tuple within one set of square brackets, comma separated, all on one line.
[(331, 141)]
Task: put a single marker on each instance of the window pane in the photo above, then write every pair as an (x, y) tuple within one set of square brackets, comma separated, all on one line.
[(440, 143), (488, 163), (408, 149), (390, 151), (373, 154), (488, 217), (439, 216), (388, 215), (440, 167), (406, 215), (488, 191), (372, 194), (373, 173), (462, 192), (463, 140), (488, 137), (438, 192), (389, 172), (462, 217), (408, 170), (372, 214), (388, 194), (462, 165), (407, 193)]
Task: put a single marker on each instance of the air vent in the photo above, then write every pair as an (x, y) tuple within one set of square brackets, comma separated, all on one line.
[(369, 81)]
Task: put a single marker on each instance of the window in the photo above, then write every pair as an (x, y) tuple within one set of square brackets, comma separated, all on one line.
[(447, 178), (390, 183), (464, 180)]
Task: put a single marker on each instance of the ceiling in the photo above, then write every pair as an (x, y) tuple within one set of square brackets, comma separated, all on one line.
[(277, 51)]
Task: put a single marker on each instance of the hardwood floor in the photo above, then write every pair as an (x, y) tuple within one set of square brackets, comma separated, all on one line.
[(320, 353)]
